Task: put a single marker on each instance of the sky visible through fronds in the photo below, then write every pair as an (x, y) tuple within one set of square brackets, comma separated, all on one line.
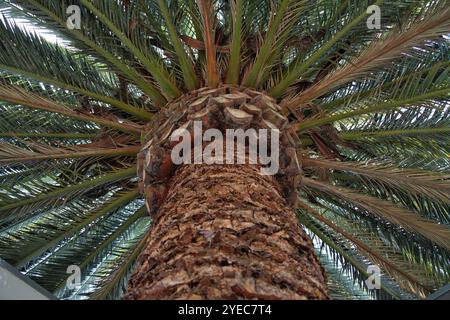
[(370, 106)]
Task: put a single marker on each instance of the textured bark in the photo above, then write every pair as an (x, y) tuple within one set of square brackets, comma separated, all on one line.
[(223, 231), (226, 232)]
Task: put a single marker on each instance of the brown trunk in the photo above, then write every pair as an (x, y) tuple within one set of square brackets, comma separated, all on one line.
[(226, 232), (223, 231)]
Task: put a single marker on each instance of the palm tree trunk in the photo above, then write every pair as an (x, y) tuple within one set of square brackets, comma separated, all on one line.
[(226, 232)]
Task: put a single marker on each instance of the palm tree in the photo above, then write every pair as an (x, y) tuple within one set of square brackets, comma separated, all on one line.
[(86, 174)]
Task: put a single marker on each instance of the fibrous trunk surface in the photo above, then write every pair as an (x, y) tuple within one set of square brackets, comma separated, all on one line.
[(225, 232)]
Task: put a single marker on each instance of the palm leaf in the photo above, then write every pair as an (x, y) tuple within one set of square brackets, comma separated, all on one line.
[(370, 107), (437, 233)]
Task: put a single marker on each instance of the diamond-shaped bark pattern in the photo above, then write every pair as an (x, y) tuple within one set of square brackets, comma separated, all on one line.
[(223, 231), (222, 108)]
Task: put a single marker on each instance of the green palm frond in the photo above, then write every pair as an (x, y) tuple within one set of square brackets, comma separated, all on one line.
[(370, 107), (31, 56), (435, 232), (348, 259), (417, 100), (301, 67), (79, 250), (414, 248), (44, 12), (383, 84), (34, 152), (285, 17), (17, 95), (380, 53), (25, 252), (117, 260), (22, 122), (423, 191), (411, 276), (111, 15), (22, 199), (237, 7)]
